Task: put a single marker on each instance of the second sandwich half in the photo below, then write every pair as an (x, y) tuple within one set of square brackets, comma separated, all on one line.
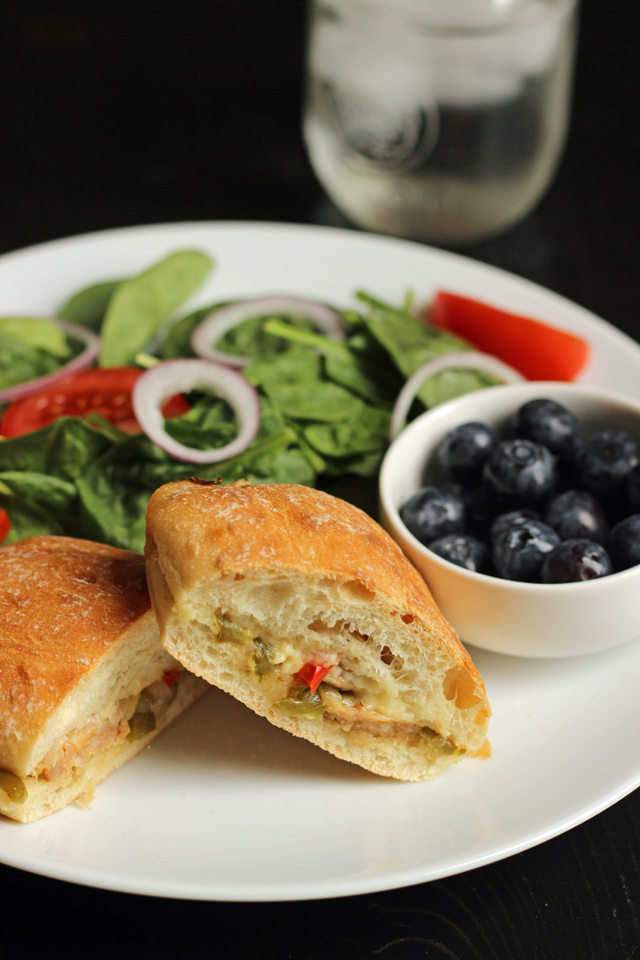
[(84, 681)]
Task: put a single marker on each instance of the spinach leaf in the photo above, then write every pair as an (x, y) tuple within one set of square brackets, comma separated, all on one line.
[(28, 521), (247, 339), (139, 306), (63, 449), (253, 338), (265, 459), (74, 445), (298, 366), (39, 470), (408, 341), (177, 341), (317, 463), (288, 465), (87, 307), (326, 402), (113, 492), (31, 347), (361, 465), (210, 423), (38, 489), (355, 373), (27, 452), (364, 432), (112, 510), (261, 461), (20, 362), (37, 504), (36, 332), (453, 382), (272, 460), (341, 364)]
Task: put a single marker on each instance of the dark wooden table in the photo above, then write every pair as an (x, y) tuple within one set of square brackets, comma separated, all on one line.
[(127, 113)]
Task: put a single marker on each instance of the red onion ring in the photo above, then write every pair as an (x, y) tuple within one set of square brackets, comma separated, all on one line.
[(156, 385), (213, 327), (84, 359), (467, 359)]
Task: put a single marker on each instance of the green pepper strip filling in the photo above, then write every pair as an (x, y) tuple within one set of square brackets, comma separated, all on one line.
[(302, 703), (13, 786)]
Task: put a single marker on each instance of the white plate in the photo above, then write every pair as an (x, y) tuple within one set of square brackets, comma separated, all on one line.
[(222, 805)]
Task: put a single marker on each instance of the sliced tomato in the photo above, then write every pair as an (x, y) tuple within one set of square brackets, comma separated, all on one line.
[(537, 350), (5, 525), (312, 675), (103, 390)]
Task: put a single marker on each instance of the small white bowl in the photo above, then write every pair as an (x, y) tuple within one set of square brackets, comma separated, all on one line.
[(523, 619)]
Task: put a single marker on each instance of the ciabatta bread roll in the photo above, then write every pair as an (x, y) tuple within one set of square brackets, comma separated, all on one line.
[(303, 608), (84, 681)]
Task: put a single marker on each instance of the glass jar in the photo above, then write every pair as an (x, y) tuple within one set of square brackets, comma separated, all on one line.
[(438, 120)]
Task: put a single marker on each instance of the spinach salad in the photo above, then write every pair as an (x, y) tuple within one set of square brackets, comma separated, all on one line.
[(325, 404)]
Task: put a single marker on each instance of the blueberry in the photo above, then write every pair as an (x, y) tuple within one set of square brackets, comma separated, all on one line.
[(624, 542), (521, 469), (605, 461), (575, 514), (576, 559), (633, 489), (513, 517), (519, 550), (482, 504), (549, 423), (432, 513), (463, 550), (462, 453)]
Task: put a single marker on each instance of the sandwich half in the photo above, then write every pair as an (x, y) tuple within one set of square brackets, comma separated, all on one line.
[(303, 608), (84, 681)]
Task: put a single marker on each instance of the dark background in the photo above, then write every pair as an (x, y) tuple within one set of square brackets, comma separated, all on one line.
[(137, 112)]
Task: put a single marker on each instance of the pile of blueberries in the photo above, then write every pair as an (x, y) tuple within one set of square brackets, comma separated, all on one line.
[(543, 506)]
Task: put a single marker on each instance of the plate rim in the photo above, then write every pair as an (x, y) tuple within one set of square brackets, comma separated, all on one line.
[(324, 890)]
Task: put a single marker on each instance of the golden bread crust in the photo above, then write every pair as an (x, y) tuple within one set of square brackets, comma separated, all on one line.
[(201, 531), (64, 603)]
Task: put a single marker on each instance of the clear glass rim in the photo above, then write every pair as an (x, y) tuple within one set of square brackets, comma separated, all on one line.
[(392, 13)]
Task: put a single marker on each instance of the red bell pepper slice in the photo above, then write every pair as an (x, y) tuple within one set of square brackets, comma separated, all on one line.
[(170, 676), (5, 525), (536, 349), (312, 675)]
